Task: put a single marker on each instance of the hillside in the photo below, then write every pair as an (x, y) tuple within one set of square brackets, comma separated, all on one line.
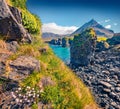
[(31, 76), (99, 29)]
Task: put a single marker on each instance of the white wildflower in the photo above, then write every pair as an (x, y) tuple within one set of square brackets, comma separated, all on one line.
[(20, 101), (33, 89), (17, 100), (13, 95), (38, 95), (28, 87), (19, 95), (16, 91), (28, 101), (19, 89)]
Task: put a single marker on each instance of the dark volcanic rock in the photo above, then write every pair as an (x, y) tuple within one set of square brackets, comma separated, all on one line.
[(101, 46), (59, 41), (114, 40), (10, 24), (103, 78), (65, 42), (16, 13), (54, 42), (83, 47)]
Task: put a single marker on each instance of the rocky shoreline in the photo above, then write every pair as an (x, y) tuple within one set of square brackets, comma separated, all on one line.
[(103, 78)]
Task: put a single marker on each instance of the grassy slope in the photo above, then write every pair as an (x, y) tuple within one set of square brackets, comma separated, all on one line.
[(74, 93), (69, 92)]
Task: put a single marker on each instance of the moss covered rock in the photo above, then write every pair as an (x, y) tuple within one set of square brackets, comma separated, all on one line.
[(82, 48)]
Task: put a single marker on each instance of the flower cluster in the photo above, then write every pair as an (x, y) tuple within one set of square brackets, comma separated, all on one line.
[(26, 95)]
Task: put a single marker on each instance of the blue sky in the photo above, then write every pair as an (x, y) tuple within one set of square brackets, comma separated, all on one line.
[(67, 15)]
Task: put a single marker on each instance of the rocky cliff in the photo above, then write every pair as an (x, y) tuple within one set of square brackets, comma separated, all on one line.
[(11, 27)]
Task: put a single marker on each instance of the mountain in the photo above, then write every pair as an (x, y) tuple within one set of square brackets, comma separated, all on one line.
[(99, 29), (49, 35)]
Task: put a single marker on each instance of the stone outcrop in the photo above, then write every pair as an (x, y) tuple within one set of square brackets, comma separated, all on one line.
[(65, 42), (21, 68), (24, 65), (83, 47), (11, 27), (53, 41)]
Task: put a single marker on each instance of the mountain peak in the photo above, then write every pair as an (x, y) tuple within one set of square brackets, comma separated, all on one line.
[(92, 21), (99, 29)]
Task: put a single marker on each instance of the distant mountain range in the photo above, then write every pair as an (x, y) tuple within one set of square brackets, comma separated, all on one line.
[(99, 29), (52, 35), (49, 35)]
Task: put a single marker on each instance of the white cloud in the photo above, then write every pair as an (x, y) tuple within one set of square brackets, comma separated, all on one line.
[(107, 20), (108, 26), (57, 29), (115, 24)]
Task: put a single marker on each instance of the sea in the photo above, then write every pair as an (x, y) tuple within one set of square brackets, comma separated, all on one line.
[(61, 52)]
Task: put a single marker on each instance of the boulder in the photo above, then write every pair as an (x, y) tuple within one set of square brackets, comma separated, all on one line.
[(106, 84), (83, 47), (10, 24), (101, 46), (22, 67), (12, 46)]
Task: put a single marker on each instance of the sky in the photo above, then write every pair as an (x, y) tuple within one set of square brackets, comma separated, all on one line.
[(65, 16)]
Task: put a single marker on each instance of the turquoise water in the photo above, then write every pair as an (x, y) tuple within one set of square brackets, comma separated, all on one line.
[(62, 53)]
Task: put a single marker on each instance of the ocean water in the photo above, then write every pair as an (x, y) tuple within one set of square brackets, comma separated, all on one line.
[(62, 53)]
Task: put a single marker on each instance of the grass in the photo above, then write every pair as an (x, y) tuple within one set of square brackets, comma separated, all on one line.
[(3, 44), (69, 92)]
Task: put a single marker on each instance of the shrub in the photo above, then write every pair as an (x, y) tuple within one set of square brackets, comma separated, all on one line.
[(31, 22), (19, 3)]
